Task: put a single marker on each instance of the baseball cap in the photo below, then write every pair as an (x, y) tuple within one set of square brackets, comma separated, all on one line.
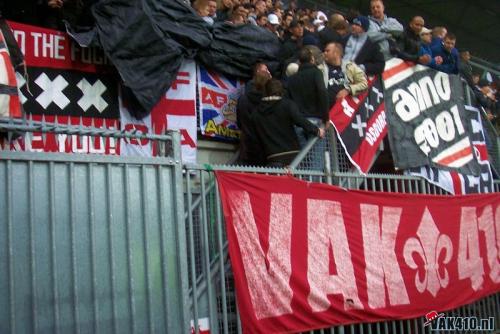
[(425, 31), (273, 19), (362, 21)]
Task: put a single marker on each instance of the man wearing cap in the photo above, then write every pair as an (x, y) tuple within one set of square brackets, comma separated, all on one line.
[(273, 23), (361, 50), (290, 49), (425, 47)]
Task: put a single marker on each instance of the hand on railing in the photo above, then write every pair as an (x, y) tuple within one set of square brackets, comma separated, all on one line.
[(321, 132)]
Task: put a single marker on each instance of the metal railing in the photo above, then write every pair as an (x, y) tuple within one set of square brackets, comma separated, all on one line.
[(211, 283), (493, 140), (12, 129), (335, 157), (90, 242), (147, 249), (485, 65)]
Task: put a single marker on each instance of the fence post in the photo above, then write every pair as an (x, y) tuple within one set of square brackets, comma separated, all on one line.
[(180, 228)]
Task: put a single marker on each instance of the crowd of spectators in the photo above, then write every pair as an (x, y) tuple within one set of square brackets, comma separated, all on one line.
[(323, 58), (343, 49)]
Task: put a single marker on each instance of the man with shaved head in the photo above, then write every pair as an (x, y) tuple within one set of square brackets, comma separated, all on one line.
[(408, 45)]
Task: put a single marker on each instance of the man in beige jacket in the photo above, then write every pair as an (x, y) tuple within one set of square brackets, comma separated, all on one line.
[(343, 79)]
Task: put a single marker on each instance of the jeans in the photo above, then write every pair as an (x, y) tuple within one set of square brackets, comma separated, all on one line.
[(315, 159)]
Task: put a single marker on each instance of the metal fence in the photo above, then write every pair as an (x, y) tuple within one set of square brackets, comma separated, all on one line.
[(108, 244), (91, 243), (212, 292)]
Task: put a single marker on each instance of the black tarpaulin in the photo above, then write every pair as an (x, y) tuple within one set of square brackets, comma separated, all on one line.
[(147, 40), (235, 49)]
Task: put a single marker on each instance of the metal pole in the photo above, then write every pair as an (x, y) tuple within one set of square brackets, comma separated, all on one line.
[(180, 227)]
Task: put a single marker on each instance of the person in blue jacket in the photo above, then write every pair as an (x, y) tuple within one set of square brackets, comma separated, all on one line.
[(426, 48), (448, 53)]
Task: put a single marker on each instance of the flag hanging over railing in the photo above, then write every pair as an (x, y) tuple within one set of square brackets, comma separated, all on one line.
[(457, 183), (426, 119), (361, 124), (218, 96), (309, 255)]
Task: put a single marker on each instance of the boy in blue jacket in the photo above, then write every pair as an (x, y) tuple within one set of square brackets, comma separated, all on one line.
[(448, 53)]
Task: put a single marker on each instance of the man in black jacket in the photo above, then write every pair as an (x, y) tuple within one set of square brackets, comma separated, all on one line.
[(307, 88), (361, 50), (274, 123), (250, 150), (408, 44), (291, 44)]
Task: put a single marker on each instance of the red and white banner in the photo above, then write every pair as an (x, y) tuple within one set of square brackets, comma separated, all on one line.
[(175, 111), (361, 124), (74, 85), (309, 255), (9, 99)]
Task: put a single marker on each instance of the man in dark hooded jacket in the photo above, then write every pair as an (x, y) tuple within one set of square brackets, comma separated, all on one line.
[(250, 151), (274, 123)]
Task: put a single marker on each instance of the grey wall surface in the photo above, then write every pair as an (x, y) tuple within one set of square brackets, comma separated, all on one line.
[(90, 244)]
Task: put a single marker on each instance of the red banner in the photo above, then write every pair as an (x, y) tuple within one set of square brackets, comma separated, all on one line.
[(308, 255)]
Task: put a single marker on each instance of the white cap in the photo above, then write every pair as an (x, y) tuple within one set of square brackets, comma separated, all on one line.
[(318, 22), (291, 69), (273, 19), (425, 31), (321, 16)]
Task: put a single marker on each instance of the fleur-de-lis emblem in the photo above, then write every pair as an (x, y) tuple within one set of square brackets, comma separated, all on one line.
[(429, 245)]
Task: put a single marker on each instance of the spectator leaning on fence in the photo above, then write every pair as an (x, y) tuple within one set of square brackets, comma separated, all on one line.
[(408, 44), (425, 47), (465, 68), (307, 88), (438, 34), (446, 50), (361, 50), (381, 22), (274, 123), (382, 27), (344, 80)]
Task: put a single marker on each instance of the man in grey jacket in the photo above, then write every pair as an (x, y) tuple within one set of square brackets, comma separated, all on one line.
[(381, 22), (382, 26)]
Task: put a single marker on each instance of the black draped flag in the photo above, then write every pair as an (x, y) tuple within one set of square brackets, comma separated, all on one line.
[(361, 124), (427, 119)]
